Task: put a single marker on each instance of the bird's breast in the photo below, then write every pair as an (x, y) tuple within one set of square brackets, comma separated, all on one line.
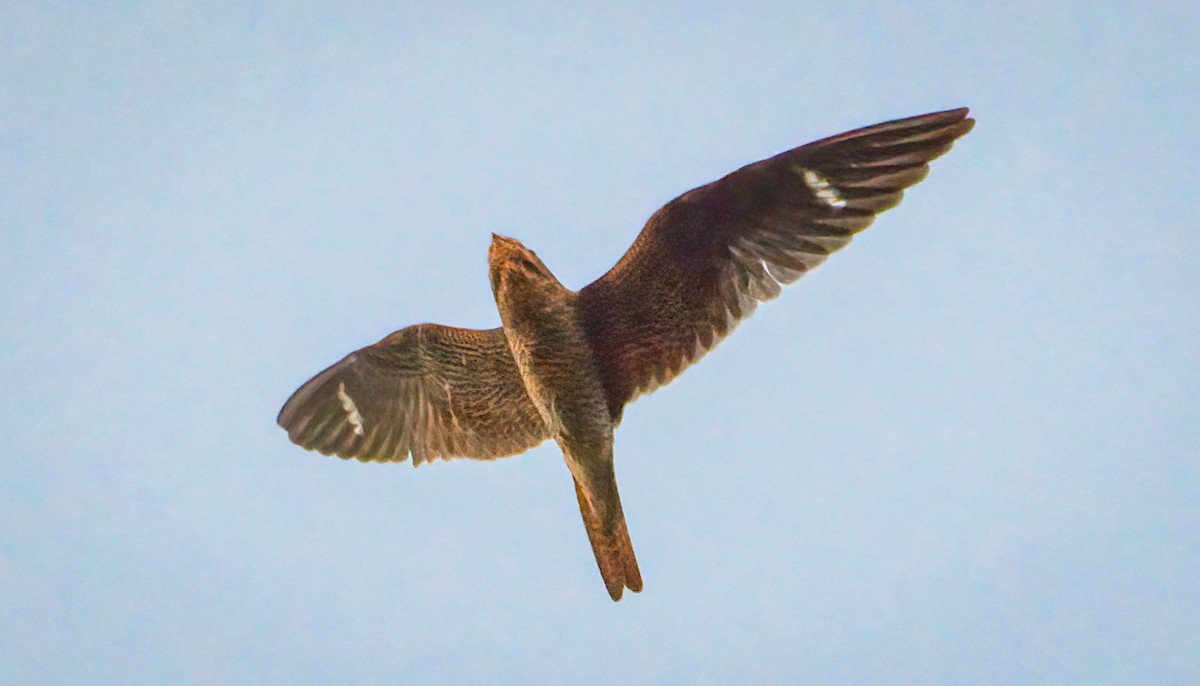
[(557, 365)]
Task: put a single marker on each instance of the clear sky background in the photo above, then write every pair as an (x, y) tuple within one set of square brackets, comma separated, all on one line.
[(965, 450)]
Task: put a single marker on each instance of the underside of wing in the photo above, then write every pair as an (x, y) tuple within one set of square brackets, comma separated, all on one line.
[(430, 391), (705, 260)]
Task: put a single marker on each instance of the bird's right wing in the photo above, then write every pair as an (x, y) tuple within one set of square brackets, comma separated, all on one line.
[(706, 259), (428, 390)]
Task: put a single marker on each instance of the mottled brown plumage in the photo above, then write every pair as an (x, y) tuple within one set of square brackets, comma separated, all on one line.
[(563, 365)]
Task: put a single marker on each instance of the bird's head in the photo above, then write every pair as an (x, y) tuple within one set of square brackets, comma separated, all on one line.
[(512, 265)]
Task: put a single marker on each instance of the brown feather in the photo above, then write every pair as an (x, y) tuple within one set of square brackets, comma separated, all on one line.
[(611, 546), (431, 391), (705, 260), (565, 364)]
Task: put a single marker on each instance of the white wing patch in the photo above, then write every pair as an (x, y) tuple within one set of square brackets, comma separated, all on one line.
[(352, 415), (825, 192)]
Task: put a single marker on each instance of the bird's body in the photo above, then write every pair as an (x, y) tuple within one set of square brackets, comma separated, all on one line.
[(564, 364), (560, 372)]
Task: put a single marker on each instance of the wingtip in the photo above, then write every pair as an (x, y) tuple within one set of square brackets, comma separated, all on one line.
[(958, 115), (962, 114)]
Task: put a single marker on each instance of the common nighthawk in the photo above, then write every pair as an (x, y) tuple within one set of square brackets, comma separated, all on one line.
[(564, 364)]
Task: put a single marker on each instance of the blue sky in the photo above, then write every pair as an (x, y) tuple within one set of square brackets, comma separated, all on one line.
[(962, 451)]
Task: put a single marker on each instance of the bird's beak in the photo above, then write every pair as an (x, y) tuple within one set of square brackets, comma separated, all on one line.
[(501, 246), (497, 251)]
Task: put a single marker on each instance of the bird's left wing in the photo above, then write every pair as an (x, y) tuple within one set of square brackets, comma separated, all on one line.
[(431, 391), (706, 259)]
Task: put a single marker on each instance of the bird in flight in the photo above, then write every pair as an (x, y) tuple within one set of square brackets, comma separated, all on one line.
[(564, 364)]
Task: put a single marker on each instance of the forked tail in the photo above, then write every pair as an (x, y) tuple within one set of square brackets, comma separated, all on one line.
[(611, 544)]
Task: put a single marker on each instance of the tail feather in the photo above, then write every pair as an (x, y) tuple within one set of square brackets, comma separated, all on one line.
[(612, 547)]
